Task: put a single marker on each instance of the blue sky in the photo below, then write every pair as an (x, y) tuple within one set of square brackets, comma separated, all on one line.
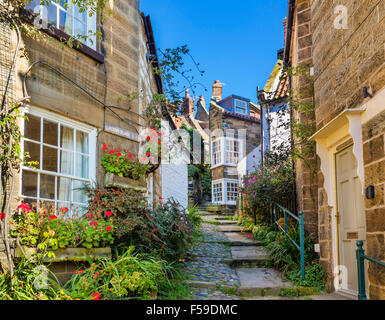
[(235, 42)]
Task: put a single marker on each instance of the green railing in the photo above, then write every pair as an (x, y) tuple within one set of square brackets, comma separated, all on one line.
[(276, 211), (361, 256)]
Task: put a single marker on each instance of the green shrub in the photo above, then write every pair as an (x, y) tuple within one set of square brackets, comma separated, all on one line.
[(194, 217), (130, 276)]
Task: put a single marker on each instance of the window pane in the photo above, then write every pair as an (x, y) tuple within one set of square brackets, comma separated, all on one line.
[(67, 162), (65, 22), (52, 14), (50, 132), (34, 4), (79, 194), (47, 186), (66, 138), (81, 142), (63, 205), (64, 189), (32, 128), (81, 166), (29, 184), (79, 29), (49, 159), (81, 16), (33, 149)]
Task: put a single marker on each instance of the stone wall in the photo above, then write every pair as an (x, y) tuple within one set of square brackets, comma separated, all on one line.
[(345, 61), (374, 161), (306, 182)]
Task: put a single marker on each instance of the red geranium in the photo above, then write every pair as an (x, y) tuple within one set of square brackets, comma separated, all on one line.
[(95, 295), (95, 223), (108, 214), (108, 228), (25, 207), (118, 154), (52, 217), (111, 151), (105, 147), (2, 215)]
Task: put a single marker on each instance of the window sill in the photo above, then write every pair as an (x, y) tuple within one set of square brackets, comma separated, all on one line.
[(62, 36)]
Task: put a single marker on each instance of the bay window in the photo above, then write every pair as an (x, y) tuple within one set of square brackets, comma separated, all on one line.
[(217, 192), (232, 151), (63, 152), (217, 152), (225, 191)]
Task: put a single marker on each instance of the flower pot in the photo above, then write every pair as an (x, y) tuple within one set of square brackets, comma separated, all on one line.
[(112, 180)]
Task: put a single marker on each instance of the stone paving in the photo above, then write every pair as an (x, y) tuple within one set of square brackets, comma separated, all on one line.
[(224, 264)]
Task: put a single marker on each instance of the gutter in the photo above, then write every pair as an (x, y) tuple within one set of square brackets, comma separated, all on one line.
[(290, 21)]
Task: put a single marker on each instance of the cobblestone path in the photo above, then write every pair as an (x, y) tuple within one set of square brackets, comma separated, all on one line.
[(225, 264)]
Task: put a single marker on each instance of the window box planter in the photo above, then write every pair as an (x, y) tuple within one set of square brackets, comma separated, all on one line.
[(69, 254), (112, 180), (213, 209), (67, 260)]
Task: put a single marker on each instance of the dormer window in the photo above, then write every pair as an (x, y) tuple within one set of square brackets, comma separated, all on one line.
[(240, 106)]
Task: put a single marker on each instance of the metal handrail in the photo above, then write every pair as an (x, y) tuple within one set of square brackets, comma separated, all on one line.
[(275, 207), (361, 256)]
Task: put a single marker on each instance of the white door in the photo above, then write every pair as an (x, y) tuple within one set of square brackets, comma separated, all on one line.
[(351, 217)]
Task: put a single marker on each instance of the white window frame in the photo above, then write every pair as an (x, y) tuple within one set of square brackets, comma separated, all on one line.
[(237, 107), (91, 22), (92, 140), (224, 182), (223, 152), (227, 151)]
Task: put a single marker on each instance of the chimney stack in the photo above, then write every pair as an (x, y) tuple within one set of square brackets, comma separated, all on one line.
[(188, 105), (217, 90)]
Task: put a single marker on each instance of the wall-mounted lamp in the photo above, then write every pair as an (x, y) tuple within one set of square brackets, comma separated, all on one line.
[(370, 194)]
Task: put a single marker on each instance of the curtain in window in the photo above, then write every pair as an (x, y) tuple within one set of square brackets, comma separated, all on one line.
[(66, 160)]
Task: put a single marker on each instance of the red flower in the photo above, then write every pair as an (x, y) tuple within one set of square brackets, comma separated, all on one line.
[(97, 274), (148, 154), (25, 207), (160, 198), (95, 223), (105, 147), (2, 215), (111, 151), (108, 228), (108, 214), (52, 217), (130, 156), (148, 138), (118, 154), (75, 271), (159, 142), (88, 214), (64, 209), (95, 295)]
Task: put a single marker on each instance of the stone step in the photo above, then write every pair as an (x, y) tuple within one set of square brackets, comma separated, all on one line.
[(230, 228), (260, 282), (209, 285), (226, 222), (248, 256), (237, 239)]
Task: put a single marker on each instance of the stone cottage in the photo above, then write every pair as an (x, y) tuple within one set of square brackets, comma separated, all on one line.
[(235, 144), (78, 98), (342, 47)]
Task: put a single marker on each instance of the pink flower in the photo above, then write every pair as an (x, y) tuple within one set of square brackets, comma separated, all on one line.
[(108, 214), (97, 274), (108, 228), (2, 215)]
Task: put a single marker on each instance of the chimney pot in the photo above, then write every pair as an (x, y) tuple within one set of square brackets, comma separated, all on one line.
[(217, 90)]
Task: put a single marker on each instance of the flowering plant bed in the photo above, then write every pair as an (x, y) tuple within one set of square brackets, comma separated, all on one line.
[(43, 230)]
